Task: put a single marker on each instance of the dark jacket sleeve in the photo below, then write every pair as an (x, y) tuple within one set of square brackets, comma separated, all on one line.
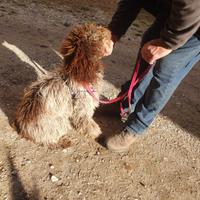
[(125, 14), (182, 23)]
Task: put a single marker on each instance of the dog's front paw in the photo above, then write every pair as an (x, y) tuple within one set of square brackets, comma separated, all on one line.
[(93, 129)]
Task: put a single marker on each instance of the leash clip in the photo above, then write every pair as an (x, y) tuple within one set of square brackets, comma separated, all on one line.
[(124, 117)]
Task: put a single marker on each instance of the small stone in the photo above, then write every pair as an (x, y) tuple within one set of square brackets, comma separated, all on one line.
[(51, 166), (68, 150), (64, 150), (5, 197), (14, 172), (28, 161), (54, 178), (59, 183), (127, 166)]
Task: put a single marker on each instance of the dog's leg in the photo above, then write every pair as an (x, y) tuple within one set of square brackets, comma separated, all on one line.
[(85, 125), (82, 116), (93, 129)]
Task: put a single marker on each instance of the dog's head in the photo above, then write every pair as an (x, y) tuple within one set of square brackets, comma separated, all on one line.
[(82, 49)]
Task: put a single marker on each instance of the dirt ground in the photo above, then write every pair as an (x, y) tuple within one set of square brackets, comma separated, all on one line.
[(162, 165)]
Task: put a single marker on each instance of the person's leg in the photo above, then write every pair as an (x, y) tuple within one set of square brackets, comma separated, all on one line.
[(167, 74)]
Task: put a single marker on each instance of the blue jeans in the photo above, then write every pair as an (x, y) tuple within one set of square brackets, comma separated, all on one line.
[(154, 91)]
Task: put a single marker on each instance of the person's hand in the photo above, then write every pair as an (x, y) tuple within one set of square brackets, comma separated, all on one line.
[(154, 50), (108, 47)]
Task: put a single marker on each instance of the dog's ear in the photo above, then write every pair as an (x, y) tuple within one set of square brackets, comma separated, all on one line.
[(67, 51)]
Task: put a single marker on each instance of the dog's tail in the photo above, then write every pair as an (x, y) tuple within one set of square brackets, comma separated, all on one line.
[(39, 69), (24, 58)]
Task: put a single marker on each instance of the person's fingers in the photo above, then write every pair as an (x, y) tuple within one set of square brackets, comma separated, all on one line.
[(108, 48), (153, 50), (152, 61), (149, 59), (146, 55)]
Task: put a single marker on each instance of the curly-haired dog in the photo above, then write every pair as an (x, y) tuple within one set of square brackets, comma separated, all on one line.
[(58, 103)]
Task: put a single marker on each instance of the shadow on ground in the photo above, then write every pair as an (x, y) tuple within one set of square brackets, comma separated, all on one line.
[(17, 75), (184, 107), (17, 189)]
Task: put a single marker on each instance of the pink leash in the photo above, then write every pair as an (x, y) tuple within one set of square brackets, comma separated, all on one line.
[(127, 94)]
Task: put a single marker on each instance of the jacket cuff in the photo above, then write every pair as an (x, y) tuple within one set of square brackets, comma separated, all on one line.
[(116, 34)]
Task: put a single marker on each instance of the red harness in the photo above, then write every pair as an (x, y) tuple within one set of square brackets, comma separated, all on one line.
[(135, 79)]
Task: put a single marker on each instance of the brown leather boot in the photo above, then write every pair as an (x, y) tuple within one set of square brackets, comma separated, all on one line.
[(121, 142)]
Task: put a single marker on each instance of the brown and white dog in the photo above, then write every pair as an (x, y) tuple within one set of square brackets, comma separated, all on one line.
[(58, 103)]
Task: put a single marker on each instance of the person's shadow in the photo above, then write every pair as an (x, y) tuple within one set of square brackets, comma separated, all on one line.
[(17, 189)]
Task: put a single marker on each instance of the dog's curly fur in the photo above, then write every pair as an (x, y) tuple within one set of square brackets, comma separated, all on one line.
[(58, 103)]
